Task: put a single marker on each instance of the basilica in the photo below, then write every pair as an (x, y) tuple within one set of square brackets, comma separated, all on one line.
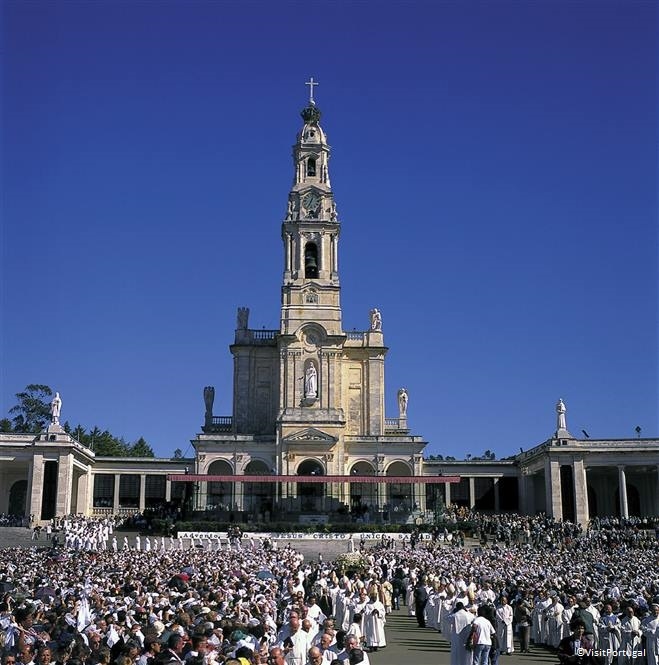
[(308, 439)]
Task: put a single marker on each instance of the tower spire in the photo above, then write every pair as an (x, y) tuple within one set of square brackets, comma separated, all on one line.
[(310, 232)]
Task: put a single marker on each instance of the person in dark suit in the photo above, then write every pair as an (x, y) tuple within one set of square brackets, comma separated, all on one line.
[(577, 648)]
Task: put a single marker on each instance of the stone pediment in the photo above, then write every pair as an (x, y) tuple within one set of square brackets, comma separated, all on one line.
[(312, 435)]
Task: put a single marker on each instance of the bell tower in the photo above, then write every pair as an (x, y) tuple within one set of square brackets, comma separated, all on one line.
[(310, 232)]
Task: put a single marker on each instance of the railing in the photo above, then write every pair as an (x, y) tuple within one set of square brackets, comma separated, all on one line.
[(219, 424), (262, 335), (395, 425), (355, 334), (107, 512)]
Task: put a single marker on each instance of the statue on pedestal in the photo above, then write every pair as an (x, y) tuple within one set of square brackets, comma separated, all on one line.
[(402, 402), (560, 415), (242, 318), (376, 320), (55, 409), (209, 398)]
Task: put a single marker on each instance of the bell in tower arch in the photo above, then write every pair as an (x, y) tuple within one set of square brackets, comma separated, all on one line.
[(311, 261)]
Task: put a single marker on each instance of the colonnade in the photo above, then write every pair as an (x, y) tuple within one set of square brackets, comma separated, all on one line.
[(574, 477), (472, 491)]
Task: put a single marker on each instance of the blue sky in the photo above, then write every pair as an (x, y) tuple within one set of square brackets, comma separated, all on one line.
[(495, 171)]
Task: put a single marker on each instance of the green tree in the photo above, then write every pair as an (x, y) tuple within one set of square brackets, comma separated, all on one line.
[(32, 413), (141, 449), (79, 433), (106, 445)]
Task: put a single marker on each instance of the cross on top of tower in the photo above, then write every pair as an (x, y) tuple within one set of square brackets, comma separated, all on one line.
[(311, 83)]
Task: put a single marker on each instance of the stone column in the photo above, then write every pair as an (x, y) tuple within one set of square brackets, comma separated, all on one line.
[(497, 498), (168, 490), (553, 495), (238, 498), (422, 497), (381, 490), (202, 495), (622, 489), (522, 485), (142, 497), (115, 498), (447, 494), (472, 491), (581, 510), (289, 253), (64, 482), (36, 487), (84, 484)]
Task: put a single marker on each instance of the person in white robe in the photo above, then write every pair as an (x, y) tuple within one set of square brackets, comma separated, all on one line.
[(630, 637), (595, 613), (355, 628), (448, 605), (432, 611), (609, 634), (650, 629), (341, 610), (375, 617), (566, 618), (554, 617), (504, 617), (538, 628), (459, 628), (409, 597)]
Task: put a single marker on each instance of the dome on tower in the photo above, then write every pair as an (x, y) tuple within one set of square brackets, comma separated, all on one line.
[(312, 132)]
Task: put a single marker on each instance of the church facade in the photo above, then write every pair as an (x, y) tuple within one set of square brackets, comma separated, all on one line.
[(308, 436), (308, 397)]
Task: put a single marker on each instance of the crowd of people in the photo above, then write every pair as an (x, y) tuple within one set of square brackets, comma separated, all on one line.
[(99, 601), (12, 520)]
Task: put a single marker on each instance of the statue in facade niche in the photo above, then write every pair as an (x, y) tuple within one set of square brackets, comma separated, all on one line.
[(376, 319), (560, 415), (311, 382), (55, 409), (402, 402)]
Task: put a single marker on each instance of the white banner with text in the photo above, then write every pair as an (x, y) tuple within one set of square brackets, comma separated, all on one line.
[(297, 535)]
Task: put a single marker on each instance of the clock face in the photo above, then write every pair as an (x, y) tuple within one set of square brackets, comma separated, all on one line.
[(311, 201)]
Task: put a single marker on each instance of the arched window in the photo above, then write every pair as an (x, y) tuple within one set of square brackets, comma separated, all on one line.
[(311, 166), (311, 261)]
